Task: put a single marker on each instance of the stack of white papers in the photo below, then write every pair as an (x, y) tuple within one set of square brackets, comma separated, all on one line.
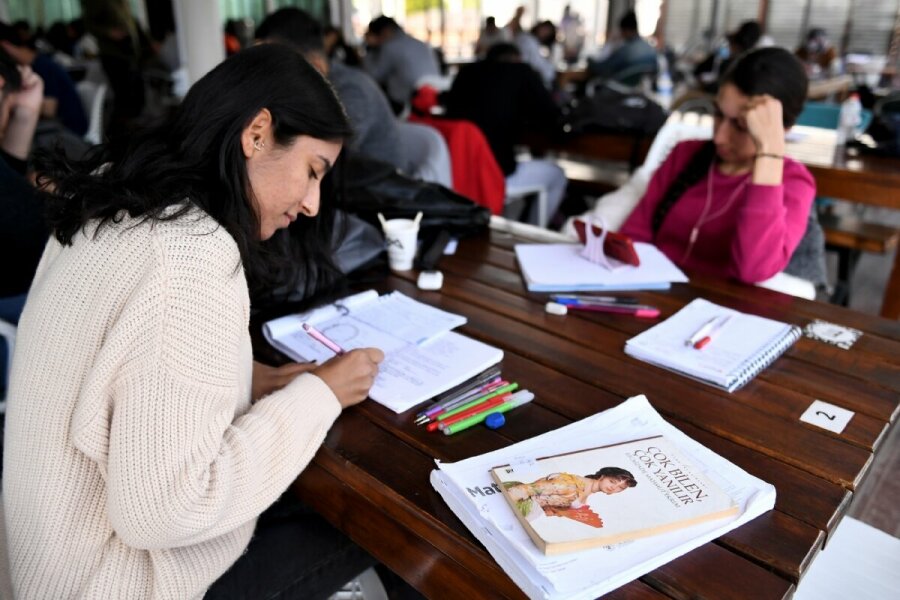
[(470, 492), (423, 357), (561, 268)]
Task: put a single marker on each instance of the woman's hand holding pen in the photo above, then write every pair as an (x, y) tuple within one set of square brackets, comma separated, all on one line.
[(351, 375)]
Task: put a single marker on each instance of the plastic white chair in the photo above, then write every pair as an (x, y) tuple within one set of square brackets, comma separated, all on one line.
[(93, 97), (8, 333), (425, 153), (523, 192), (615, 206)]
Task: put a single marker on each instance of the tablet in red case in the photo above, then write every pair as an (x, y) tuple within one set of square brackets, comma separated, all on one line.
[(616, 245)]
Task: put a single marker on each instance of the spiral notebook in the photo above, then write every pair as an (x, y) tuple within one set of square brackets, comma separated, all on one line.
[(736, 352)]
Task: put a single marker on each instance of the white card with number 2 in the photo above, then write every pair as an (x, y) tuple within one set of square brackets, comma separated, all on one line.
[(827, 416)]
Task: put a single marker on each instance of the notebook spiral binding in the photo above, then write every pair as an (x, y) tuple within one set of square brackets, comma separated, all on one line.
[(754, 366)]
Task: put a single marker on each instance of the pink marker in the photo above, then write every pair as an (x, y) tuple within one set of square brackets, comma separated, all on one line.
[(636, 310), (323, 339)]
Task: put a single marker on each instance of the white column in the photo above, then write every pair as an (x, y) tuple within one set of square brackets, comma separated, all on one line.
[(198, 25)]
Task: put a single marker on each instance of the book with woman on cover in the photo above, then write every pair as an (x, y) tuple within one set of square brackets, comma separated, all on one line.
[(611, 494)]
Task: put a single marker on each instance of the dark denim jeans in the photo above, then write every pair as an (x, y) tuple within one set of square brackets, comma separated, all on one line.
[(294, 553)]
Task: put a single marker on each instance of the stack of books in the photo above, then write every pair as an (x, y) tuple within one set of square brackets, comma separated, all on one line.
[(580, 511)]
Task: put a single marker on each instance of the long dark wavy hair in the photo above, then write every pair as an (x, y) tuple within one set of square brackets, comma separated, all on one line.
[(772, 71), (196, 155)]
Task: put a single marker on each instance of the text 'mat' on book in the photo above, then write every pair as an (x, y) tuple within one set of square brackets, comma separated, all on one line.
[(611, 494)]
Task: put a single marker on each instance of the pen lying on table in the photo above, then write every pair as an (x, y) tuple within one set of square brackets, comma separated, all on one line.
[(643, 311), (570, 299)]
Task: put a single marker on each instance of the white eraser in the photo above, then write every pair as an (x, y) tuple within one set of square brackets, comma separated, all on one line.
[(430, 280), (555, 308)]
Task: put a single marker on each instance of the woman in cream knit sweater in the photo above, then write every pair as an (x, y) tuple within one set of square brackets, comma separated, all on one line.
[(137, 457)]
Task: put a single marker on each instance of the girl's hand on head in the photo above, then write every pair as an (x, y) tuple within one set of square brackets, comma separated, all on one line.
[(268, 379), (351, 376), (764, 118)]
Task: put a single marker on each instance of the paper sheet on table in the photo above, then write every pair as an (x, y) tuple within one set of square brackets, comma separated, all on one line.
[(593, 572), (417, 373), (423, 357), (388, 322)]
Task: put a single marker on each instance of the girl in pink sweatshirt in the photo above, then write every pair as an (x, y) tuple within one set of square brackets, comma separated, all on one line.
[(735, 206)]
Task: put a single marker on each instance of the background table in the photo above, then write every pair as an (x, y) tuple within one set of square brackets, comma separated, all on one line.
[(370, 478)]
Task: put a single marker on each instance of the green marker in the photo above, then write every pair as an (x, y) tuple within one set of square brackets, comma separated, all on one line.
[(509, 387), (517, 399)]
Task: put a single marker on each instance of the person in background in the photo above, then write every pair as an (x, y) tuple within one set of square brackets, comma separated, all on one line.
[(505, 98), (85, 45), (61, 100), (231, 38), (632, 56), (23, 233), (709, 71), (818, 54), (396, 60), (337, 48), (142, 444), (375, 130), (735, 206), (490, 34), (529, 44), (123, 49), (571, 28)]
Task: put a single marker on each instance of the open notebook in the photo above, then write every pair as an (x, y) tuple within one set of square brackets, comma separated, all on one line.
[(737, 352), (561, 268), (423, 357)]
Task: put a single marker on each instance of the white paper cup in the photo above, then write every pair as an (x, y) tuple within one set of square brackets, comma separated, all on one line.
[(401, 235)]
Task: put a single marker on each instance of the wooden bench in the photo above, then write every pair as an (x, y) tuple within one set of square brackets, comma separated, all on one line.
[(850, 236)]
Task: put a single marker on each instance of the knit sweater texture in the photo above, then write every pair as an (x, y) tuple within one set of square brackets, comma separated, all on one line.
[(135, 465)]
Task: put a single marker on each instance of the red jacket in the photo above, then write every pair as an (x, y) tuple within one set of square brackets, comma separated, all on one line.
[(476, 174)]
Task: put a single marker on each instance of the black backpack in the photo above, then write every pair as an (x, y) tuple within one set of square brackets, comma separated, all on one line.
[(371, 187), (611, 110)]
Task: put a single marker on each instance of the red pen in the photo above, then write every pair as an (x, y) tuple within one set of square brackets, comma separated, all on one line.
[(699, 344)]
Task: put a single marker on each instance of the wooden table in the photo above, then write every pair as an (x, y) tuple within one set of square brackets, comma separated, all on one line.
[(370, 478), (863, 179)]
